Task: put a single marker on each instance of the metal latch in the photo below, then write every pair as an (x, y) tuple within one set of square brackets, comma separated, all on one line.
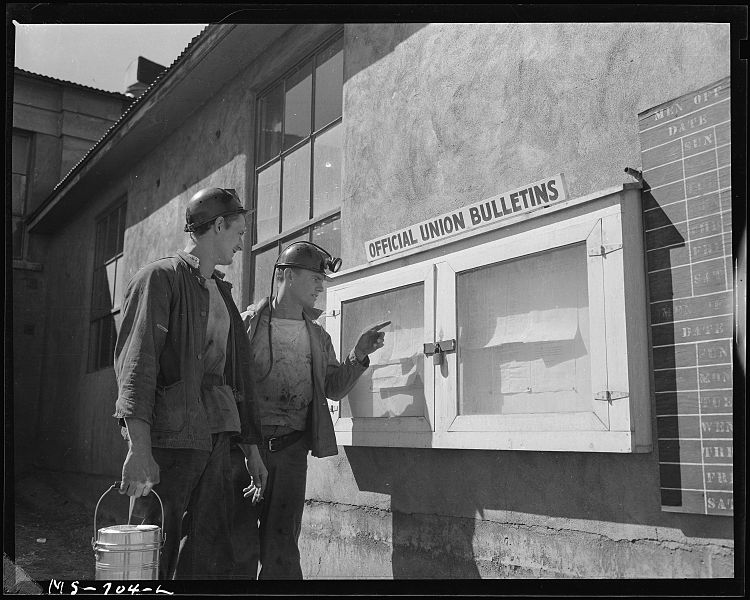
[(605, 249), (609, 395), (438, 349)]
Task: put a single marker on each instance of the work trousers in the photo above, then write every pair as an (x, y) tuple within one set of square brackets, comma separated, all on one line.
[(268, 532), (195, 487)]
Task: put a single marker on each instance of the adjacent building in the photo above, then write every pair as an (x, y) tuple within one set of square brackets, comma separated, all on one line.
[(54, 124), (517, 426)]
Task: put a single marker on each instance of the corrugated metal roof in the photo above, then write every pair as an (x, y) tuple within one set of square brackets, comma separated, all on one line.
[(33, 75), (129, 110)]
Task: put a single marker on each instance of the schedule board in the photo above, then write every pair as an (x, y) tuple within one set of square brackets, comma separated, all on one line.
[(686, 159)]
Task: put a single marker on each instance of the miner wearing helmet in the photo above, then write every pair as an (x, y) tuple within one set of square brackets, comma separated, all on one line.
[(182, 367), (294, 369)]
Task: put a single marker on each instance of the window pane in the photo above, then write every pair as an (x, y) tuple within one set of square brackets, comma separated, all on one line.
[(121, 228), (393, 386), (523, 335), (267, 214), (19, 194), (111, 270), (101, 239), (329, 83), (101, 295), (297, 109), (20, 154), (264, 262), (327, 171), (296, 191), (17, 237), (302, 236), (120, 282), (327, 234), (269, 114), (110, 247)]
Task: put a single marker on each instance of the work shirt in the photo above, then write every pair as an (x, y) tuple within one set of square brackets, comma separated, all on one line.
[(331, 379), (285, 395), (218, 398), (159, 356)]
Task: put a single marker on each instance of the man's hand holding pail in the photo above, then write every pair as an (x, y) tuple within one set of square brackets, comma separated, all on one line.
[(140, 472)]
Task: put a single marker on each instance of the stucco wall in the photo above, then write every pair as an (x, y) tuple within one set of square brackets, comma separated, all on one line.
[(440, 116)]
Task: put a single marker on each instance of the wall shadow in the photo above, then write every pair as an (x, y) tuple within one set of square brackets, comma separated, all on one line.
[(662, 240), (423, 546), (365, 49)]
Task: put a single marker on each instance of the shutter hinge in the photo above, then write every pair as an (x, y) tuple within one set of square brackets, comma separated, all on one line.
[(609, 395), (605, 249)]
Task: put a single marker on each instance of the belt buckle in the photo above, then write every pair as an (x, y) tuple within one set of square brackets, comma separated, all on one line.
[(270, 444)]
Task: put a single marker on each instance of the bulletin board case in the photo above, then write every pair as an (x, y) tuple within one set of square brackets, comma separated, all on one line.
[(530, 335)]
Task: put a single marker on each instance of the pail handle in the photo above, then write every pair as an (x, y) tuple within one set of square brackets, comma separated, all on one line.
[(113, 486)]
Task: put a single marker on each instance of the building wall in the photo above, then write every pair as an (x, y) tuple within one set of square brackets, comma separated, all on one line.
[(65, 121), (488, 108), (435, 117)]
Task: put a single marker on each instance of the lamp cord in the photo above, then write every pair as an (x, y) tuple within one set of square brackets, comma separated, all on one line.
[(270, 343)]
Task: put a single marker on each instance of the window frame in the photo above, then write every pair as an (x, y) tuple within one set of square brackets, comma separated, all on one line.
[(370, 429), (308, 225), (29, 135), (617, 306), (99, 318)]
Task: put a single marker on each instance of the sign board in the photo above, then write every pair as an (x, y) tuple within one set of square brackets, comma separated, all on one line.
[(529, 198), (686, 158)]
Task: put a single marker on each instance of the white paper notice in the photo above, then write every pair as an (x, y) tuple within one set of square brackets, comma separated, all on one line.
[(555, 370), (536, 326), (392, 376), (515, 377), (399, 344)]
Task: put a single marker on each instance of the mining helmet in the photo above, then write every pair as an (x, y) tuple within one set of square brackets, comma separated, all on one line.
[(209, 204), (306, 255)]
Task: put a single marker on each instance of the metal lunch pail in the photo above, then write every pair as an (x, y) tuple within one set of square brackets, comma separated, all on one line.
[(127, 552)]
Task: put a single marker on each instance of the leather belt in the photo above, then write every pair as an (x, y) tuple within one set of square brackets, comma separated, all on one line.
[(275, 444)]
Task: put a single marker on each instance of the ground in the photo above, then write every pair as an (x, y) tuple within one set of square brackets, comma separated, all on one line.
[(54, 523)]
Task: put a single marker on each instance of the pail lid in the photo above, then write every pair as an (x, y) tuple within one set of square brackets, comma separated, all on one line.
[(129, 534), (127, 528)]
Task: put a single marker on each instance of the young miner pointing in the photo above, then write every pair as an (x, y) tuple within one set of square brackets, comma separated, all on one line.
[(295, 369)]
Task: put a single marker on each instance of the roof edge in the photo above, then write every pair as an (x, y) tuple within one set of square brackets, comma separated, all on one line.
[(38, 214), (50, 79)]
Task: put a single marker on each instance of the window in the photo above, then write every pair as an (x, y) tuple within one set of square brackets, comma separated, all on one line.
[(21, 158), (543, 327), (107, 287), (298, 162)]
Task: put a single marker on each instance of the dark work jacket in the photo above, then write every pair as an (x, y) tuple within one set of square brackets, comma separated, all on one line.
[(159, 361), (331, 379)]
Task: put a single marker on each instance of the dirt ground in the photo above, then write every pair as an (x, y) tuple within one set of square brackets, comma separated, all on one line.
[(54, 523)]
